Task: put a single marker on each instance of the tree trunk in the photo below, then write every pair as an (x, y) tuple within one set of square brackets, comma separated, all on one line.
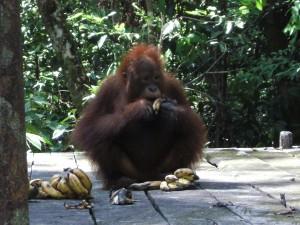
[(149, 10), (218, 89), (13, 165), (170, 8), (66, 48), (276, 16)]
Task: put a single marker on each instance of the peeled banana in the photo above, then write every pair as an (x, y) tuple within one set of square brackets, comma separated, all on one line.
[(156, 105)]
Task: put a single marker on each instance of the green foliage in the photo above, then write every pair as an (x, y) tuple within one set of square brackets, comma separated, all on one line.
[(199, 41), (293, 26)]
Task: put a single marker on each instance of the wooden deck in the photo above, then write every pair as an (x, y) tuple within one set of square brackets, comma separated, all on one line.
[(237, 186)]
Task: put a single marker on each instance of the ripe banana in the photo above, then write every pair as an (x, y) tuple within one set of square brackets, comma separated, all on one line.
[(171, 178), (181, 182), (64, 188), (164, 186), (156, 105), (172, 185), (55, 176), (76, 185), (183, 172), (54, 181), (83, 177), (192, 177), (49, 190), (42, 194)]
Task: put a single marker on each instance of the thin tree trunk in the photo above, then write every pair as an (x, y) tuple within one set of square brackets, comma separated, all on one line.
[(66, 47), (221, 85), (13, 165), (149, 9), (218, 89)]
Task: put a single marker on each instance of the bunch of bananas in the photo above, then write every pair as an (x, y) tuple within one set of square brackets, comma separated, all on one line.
[(75, 183), (182, 178)]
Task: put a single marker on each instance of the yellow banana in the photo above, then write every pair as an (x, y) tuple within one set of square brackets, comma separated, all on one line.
[(173, 186), (76, 185), (55, 176), (41, 193), (191, 177), (49, 190), (183, 182), (183, 172), (54, 181), (164, 186), (64, 188), (156, 105), (83, 177), (170, 178)]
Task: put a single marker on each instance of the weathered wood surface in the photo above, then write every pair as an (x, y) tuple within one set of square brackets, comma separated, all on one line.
[(237, 186)]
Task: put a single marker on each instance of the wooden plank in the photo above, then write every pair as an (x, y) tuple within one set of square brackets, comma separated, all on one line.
[(229, 184), (279, 159), (47, 164), (193, 207), (141, 212), (244, 168), (52, 212), (295, 152), (250, 204)]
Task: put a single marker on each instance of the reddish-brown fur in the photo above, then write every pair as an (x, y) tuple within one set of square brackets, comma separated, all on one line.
[(125, 138)]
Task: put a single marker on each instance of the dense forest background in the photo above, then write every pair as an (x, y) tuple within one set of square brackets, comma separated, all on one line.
[(239, 62)]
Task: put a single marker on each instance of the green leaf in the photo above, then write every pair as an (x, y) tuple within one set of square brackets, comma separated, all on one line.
[(228, 27), (260, 4), (101, 41), (244, 10), (112, 13), (197, 12), (35, 140), (75, 16), (59, 131), (169, 27)]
